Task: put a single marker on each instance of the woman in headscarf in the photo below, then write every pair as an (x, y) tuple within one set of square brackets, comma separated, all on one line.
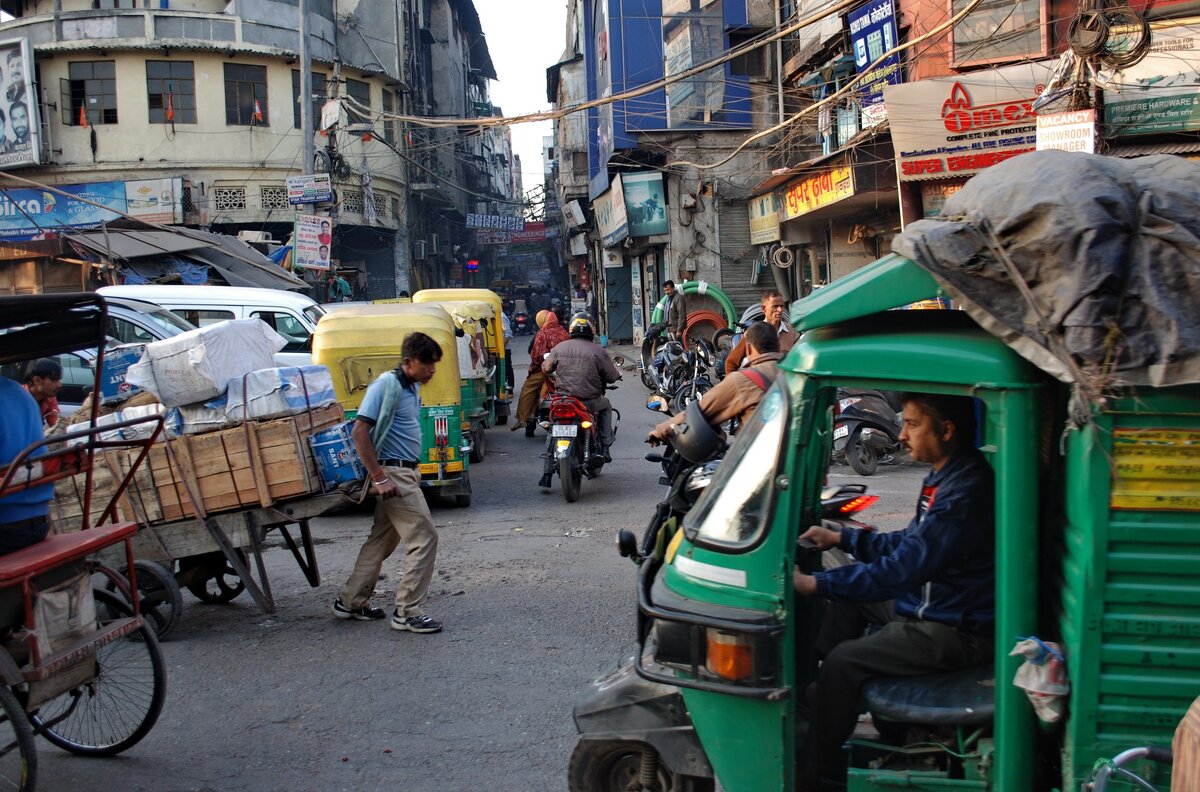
[(549, 335)]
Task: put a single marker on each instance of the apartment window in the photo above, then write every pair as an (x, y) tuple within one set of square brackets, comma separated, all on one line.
[(171, 92), (114, 3), (1000, 30), (90, 90), (246, 95), (318, 99), (389, 125), (360, 92), (749, 64)]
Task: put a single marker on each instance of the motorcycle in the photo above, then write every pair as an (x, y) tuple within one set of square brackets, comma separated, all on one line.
[(648, 368), (866, 430), (681, 376), (573, 443), (520, 323)]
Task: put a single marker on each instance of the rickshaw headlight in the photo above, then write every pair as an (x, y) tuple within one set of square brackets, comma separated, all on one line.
[(730, 655)]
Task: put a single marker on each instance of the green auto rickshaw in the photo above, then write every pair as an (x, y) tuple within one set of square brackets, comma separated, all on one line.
[(1097, 547), (493, 334), (361, 342)]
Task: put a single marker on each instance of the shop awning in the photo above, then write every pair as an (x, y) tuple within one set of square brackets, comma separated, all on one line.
[(240, 264)]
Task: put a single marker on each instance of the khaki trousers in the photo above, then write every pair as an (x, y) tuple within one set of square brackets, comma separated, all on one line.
[(404, 518), (531, 394)]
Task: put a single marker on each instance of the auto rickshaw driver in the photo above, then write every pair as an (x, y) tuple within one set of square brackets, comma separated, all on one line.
[(940, 572)]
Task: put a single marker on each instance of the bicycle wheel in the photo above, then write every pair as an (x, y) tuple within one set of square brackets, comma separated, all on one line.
[(18, 753), (117, 708)]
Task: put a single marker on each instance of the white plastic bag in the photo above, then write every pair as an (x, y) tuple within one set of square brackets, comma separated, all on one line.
[(1043, 677), (197, 365), (277, 393)]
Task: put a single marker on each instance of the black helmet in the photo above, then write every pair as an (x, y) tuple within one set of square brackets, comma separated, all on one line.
[(581, 325), (696, 439)]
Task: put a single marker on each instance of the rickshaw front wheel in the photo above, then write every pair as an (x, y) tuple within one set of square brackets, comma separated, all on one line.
[(616, 766), (18, 757), (118, 707)]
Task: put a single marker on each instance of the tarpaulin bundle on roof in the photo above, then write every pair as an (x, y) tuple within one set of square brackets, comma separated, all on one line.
[(1109, 250)]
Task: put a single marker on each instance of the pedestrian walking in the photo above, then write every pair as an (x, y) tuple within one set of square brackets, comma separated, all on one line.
[(387, 435)]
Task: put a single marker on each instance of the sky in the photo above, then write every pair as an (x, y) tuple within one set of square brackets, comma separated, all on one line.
[(524, 39)]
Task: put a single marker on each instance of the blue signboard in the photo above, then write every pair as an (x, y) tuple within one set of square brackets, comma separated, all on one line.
[(30, 213), (872, 33)]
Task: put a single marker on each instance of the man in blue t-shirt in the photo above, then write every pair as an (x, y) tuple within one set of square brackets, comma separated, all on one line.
[(387, 435), (931, 585), (23, 515)]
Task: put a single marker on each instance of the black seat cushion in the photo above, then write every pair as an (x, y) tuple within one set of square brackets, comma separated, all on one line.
[(960, 698)]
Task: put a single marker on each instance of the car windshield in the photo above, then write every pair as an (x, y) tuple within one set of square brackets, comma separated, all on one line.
[(314, 313), (736, 507)]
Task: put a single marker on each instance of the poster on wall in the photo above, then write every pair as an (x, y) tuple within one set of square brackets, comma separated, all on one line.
[(636, 283), (36, 214), (612, 220), (314, 240), (155, 200), (20, 126), (645, 203)]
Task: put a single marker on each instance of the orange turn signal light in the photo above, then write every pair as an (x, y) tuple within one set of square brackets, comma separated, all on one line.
[(586, 424), (730, 656)]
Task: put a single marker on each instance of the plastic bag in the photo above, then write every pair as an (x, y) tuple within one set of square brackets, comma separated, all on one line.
[(1043, 677)]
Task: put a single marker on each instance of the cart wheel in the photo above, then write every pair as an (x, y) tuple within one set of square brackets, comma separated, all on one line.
[(120, 703), (161, 599), (222, 584), (18, 762)]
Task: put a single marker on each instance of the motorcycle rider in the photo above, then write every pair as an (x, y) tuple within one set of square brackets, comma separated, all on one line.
[(735, 396), (583, 370), (773, 306)]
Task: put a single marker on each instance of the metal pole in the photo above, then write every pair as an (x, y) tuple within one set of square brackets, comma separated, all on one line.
[(306, 89)]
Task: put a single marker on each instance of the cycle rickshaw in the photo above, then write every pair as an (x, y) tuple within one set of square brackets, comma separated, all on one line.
[(79, 666)]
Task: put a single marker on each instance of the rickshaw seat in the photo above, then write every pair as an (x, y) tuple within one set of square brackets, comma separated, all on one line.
[(960, 698), (60, 549)]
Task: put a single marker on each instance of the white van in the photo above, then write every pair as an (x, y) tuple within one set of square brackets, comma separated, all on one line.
[(293, 316)]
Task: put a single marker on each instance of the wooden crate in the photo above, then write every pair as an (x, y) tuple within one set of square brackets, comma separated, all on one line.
[(138, 503), (255, 464)]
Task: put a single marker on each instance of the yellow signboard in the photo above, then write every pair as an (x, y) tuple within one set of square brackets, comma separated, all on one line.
[(1156, 469), (764, 219), (819, 189)]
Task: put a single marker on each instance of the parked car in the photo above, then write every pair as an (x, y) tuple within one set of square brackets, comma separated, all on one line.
[(293, 316)]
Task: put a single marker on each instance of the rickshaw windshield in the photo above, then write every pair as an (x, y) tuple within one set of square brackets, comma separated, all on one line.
[(735, 508)]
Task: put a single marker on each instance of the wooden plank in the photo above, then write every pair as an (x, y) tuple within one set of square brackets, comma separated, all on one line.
[(257, 467)]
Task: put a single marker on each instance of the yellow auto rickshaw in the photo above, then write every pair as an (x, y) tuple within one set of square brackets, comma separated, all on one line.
[(360, 343), (475, 369), (493, 336)]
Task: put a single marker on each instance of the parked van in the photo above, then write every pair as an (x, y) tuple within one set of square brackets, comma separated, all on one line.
[(293, 316)]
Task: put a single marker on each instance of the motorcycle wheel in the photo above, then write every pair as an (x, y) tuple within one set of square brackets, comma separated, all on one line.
[(647, 380), (722, 340), (861, 455), (571, 477), (614, 765), (684, 396)]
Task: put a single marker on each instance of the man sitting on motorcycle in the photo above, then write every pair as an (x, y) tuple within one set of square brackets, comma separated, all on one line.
[(736, 396), (583, 370), (772, 307), (940, 572)]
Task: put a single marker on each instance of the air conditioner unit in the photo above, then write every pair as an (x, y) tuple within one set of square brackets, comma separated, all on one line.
[(435, 242), (263, 237), (418, 248)]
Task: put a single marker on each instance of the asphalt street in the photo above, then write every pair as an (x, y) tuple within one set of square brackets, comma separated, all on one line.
[(536, 604)]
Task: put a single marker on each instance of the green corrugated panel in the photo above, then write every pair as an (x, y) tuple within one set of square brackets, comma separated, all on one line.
[(1131, 600)]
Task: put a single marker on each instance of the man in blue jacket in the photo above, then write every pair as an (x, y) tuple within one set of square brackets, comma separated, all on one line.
[(933, 583)]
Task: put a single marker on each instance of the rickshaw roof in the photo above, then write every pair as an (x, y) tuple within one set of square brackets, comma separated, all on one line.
[(456, 295), (393, 315), (891, 282), (47, 324)]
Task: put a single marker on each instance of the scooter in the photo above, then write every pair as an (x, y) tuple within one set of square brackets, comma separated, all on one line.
[(520, 323), (573, 443), (866, 430)]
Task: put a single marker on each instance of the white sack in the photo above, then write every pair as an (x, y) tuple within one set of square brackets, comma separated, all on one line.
[(277, 393), (197, 365)]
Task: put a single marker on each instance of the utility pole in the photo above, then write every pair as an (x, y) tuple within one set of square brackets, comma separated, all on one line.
[(306, 89)]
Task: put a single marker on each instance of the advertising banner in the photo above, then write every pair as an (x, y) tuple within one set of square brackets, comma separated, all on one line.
[(535, 233), (872, 33), (611, 217), (958, 125), (155, 200), (825, 187), (31, 213), (313, 239), (1161, 92), (499, 222), (764, 219), (20, 123), (309, 189), (645, 203)]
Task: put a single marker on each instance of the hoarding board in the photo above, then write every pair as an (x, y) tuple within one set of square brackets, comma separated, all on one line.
[(611, 217), (645, 203), (313, 240), (316, 188), (872, 33), (20, 123)]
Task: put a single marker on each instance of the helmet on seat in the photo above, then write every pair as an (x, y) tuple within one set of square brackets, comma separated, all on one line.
[(581, 325), (696, 439)]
